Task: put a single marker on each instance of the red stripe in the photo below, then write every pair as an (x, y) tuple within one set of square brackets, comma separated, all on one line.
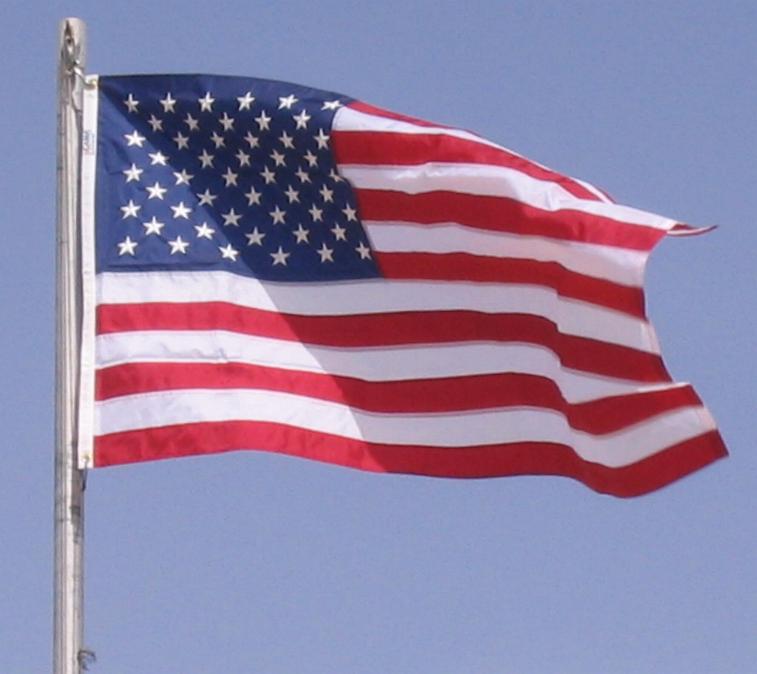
[(405, 149), (391, 329), (449, 394), (501, 214), (478, 268), (526, 458)]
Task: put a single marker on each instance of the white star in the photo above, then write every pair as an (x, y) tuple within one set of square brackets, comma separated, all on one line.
[(243, 158), (286, 140), (168, 102), (206, 102), (157, 158), (327, 194), (130, 210), (230, 178), (133, 173), (155, 123), (278, 215), (268, 175), (207, 197), (364, 251), (292, 194), (280, 257), (335, 176), (204, 232), (231, 218), (287, 101), (302, 234), (178, 246), (279, 158), (350, 213), (339, 233), (227, 122), (192, 123), (302, 174), (153, 226), (156, 191), (131, 103), (326, 253), (126, 247), (181, 141), (206, 159), (181, 211), (255, 238), (322, 139), (311, 159), (253, 197), (316, 213), (182, 177), (252, 141), (228, 253), (134, 139), (246, 101), (217, 139), (331, 105), (302, 119), (263, 121)]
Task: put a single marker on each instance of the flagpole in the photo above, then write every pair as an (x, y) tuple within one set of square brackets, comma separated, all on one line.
[(69, 656)]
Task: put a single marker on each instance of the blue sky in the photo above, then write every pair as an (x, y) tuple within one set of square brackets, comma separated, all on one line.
[(259, 563)]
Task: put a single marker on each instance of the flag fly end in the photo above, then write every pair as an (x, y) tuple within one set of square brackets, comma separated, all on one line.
[(681, 229)]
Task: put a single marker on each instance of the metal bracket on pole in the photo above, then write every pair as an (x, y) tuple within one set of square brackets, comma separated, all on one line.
[(69, 657), (72, 47)]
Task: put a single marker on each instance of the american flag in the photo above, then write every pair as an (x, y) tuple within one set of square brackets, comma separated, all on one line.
[(272, 267)]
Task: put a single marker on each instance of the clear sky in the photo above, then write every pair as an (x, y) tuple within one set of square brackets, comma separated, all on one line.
[(259, 563)]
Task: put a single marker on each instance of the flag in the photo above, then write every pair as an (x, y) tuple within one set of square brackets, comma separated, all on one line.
[(271, 267)]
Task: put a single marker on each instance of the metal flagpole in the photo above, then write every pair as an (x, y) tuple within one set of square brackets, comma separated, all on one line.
[(69, 656)]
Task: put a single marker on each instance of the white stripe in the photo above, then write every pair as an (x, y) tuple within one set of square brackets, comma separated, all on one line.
[(166, 408), (369, 364), (478, 179), (495, 181), (618, 265), (375, 296)]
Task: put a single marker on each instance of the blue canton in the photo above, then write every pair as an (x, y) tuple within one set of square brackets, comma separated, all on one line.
[(200, 172)]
